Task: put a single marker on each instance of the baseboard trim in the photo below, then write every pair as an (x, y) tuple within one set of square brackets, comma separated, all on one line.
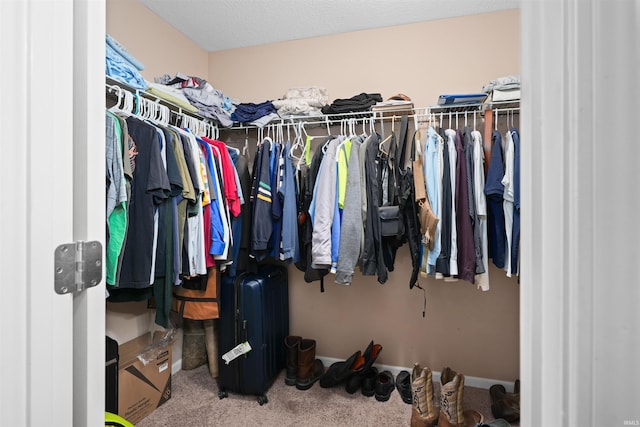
[(479, 382), (176, 366)]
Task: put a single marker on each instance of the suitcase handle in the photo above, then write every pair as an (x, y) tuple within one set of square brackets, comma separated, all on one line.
[(274, 273), (245, 335)]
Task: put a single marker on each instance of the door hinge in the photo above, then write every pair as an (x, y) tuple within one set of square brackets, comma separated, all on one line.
[(77, 266)]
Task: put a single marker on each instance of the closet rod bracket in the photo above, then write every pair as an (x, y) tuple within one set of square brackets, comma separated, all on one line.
[(77, 266)]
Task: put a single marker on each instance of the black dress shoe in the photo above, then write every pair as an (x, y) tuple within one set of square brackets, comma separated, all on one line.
[(384, 386), (369, 382), (403, 384)]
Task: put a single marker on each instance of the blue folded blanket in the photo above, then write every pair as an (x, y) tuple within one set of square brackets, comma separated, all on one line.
[(124, 53), (118, 68)]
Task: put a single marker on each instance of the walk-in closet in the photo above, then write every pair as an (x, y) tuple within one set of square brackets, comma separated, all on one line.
[(519, 311)]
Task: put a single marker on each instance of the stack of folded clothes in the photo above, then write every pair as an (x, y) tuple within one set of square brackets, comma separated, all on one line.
[(503, 88), (355, 104), (122, 66), (304, 101), (171, 94), (210, 102), (255, 114)]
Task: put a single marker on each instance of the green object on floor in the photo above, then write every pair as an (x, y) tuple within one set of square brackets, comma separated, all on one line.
[(115, 420)]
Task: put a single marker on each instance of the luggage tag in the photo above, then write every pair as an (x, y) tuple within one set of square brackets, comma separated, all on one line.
[(235, 352)]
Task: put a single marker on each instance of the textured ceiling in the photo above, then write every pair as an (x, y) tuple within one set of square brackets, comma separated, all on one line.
[(227, 24)]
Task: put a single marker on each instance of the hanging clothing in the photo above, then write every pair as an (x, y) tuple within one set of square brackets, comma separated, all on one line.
[(466, 256), (482, 279), (515, 240), (323, 207), (507, 199), (150, 188), (351, 231), (372, 256), (494, 190)]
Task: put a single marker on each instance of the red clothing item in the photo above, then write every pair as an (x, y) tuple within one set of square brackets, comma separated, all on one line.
[(228, 176)]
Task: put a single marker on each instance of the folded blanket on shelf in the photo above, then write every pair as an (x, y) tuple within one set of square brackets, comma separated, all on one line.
[(173, 95), (357, 103), (120, 69), (249, 112), (124, 53), (502, 83)]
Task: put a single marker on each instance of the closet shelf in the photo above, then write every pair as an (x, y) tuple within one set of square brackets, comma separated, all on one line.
[(111, 83), (381, 115)]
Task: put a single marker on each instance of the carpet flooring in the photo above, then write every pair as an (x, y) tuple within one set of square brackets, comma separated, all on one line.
[(195, 403)]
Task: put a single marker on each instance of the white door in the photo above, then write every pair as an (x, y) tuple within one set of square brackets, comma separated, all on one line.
[(52, 178)]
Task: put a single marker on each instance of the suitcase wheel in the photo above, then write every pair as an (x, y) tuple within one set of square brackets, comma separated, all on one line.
[(222, 394), (262, 400)]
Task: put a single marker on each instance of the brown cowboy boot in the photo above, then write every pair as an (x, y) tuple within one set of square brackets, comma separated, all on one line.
[(451, 413), (423, 412)]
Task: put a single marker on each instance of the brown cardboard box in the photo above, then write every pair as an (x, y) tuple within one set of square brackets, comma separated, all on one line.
[(142, 387)]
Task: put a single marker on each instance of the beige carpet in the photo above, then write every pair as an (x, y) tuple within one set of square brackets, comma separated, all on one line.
[(195, 403)]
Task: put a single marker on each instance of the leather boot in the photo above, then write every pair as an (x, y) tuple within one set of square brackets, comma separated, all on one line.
[(451, 413), (424, 412), (291, 350), (194, 350), (505, 405), (370, 355), (210, 334), (310, 369), (341, 371)]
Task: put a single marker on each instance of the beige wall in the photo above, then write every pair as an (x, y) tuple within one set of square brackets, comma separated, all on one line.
[(421, 60), (471, 331)]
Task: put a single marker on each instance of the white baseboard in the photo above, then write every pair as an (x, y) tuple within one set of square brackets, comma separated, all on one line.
[(176, 366), (478, 382)]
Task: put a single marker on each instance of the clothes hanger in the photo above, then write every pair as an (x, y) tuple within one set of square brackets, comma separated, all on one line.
[(384, 141), (245, 148), (297, 143), (117, 90)]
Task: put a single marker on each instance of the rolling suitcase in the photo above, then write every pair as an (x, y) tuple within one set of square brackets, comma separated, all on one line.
[(254, 309), (111, 376)]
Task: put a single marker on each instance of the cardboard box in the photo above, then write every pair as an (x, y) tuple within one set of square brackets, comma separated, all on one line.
[(144, 376)]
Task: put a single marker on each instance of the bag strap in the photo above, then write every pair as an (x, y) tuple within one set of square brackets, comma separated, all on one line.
[(402, 146)]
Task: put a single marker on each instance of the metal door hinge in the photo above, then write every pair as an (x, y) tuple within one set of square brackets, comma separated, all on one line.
[(77, 266)]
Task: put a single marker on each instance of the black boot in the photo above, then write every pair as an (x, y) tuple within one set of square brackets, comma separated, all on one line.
[(291, 349), (370, 355), (341, 371)]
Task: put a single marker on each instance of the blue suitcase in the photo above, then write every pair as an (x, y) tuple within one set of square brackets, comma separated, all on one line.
[(254, 308)]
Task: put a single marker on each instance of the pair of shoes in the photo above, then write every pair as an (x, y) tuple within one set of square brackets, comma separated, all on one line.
[(403, 384), (302, 367), (424, 412), (451, 394), (355, 381), (505, 405), (339, 372), (384, 386)]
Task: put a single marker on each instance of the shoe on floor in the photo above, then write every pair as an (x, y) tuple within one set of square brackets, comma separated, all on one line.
[(503, 404), (403, 384), (495, 423), (384, 386), (370, 354), (369, 382), (339, 372)]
